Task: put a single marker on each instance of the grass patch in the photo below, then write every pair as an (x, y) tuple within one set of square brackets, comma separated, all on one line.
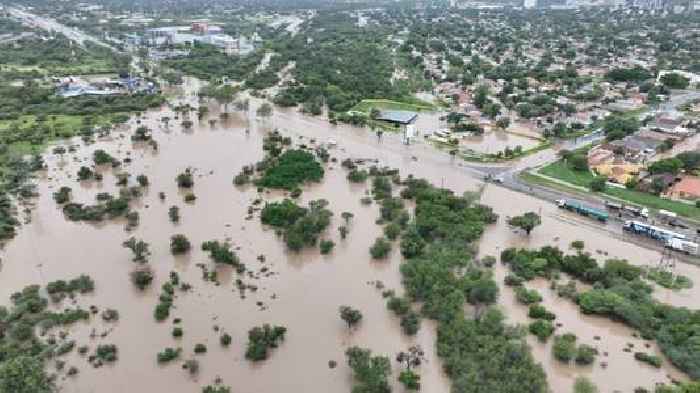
[(560, 170)]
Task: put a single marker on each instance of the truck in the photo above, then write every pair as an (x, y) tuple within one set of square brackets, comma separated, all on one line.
[(685, 246), (582, 209), (652, 231), (635, 211)]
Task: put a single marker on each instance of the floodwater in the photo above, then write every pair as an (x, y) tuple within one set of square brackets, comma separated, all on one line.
[(490, 142), (621, 372), (306, 289)]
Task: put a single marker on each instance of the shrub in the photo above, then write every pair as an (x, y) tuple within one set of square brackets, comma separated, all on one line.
[(380, 249), (400, 306), (527, 296), (142, 278), (106, 353), (162, 311), (225, 339), (649, 359), (564, 348), (350, 315), (262, 339), (537, 311), (177, 332), (179, 244), (585, 354), (168, 355), (357, 176), (291, 169), (185, 179), (174, 214), (512, 280), (62, 195), (543, 329), (200, 348), (222, 253), (410, 323), (326, 246), (392, 231)]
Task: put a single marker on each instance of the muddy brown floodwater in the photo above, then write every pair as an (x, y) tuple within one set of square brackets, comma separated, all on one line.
[(307, 288)]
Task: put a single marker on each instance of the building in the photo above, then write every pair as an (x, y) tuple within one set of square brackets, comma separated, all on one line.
[(404, 119), (688, 187)]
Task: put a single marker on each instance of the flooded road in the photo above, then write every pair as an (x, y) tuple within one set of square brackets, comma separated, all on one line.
[(306, 289)]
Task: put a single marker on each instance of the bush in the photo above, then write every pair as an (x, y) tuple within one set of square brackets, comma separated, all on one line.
[(185, 179), (106, 353), (410, 323), (585, 354), (357, 176), (392, 231), (262, 339), (326, 246), (162, 311), (177, 332), (301, 227), (350, 315), (538, 311), (564, 348), (221, 253), (649, 359), (512, 280), (168, 355), (400, 306), (179, 244), (174, 214), (62, 195), (543, 329), (527, 296), (200, 348), (225, 340), (291, 169), (380, 249), (142, 278)]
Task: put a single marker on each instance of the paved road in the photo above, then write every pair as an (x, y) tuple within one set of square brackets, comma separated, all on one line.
[(49, 24)]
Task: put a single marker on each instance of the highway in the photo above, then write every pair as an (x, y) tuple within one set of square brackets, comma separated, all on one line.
[(52, 25)]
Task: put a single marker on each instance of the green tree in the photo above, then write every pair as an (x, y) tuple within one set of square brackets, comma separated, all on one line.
[(526, 222), (24, 374), (371, 373), (584, 385), (350, 315), (673, 80)]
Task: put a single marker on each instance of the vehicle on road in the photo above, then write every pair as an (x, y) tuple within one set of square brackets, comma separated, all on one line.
[(637, 212), (582, 209), (652, 231), (685, 246)]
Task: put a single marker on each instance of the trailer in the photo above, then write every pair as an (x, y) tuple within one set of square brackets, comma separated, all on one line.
[(652, 231), (684, 246), (582, 209), (613, 205)]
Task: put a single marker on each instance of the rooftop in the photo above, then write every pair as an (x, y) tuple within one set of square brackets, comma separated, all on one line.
[(401, 117)]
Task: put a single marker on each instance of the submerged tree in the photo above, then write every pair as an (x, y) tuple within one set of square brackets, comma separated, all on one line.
[(527, 222), (350, 315)]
